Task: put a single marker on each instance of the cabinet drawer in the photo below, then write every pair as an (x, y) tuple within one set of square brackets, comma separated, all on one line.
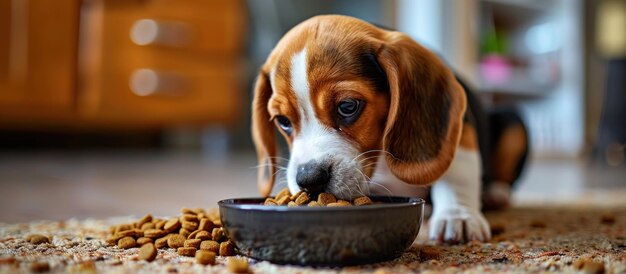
[(156, 94), (215, 26)]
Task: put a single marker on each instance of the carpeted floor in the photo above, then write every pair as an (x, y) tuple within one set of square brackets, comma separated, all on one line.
[(591, 240)]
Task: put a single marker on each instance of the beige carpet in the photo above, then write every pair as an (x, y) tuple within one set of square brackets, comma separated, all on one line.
[(526, 240)]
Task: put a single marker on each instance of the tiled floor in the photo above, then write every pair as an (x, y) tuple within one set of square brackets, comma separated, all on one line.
[(61, 185)]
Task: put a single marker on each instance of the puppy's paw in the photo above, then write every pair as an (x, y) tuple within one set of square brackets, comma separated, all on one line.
[(458, 224)]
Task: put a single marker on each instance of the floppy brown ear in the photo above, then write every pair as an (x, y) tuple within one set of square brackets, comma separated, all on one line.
[(426, 111), (263, 135)]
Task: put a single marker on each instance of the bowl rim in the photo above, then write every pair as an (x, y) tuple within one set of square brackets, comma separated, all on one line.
[(228, 203)]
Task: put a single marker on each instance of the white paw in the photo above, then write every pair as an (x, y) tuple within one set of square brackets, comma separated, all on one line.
[(458, 224)]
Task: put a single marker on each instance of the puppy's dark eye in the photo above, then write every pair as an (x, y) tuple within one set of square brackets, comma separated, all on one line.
[(284, 124), (349, 110)]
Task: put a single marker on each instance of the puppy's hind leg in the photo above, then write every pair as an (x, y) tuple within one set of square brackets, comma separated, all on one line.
[(456, 202)]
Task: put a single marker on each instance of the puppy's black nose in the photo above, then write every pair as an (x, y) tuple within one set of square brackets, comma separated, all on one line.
[(312, 177)]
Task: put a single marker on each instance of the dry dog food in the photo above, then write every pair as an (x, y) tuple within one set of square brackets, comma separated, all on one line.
[(304, 199), (187, 251), (193, 243), (237, 265), (147, 252), (176, 241), (37, 239), (210, 246), (227, 248), (205, 257), (127, 242), (195, 230), (39, 267)]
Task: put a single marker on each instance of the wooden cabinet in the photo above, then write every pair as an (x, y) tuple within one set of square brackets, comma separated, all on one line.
[(38, 45), (120, 63)]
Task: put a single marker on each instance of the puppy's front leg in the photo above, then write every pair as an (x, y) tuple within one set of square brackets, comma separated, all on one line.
[(456, 202)]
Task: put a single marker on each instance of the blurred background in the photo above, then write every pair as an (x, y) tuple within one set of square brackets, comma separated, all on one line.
[(118, 107)]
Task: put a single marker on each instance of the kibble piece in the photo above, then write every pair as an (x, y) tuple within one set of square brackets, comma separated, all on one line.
[(143, 240), (206, 224), (38, 239), (538, 223), (187, 251), (314, 203), (282, 193), (227, 248), (144, 220), (147, 226), (154, 233), (205, 257), (270, 202), (191, 226), (362, 201), (184, 232), (326, 198), (292, 204), (217, 234), (161, 242), (344, 202), (237, 265), (176, 241), (588, 266), (171, 225), (122, 227), (217, 223), (497, 228), (39, 267), (192, 243), (337, 204), (112, 239), (192, 235), (147, 252), (185, 210), (303, 198), (295, 196), (126, 242), (283, 200), (210, 246), (607, 218), (429, 253), (160, 224), (204, 235), (126, 233), (189, 218)]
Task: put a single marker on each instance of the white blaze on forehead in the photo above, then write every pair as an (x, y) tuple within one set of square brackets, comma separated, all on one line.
[(300, 84)]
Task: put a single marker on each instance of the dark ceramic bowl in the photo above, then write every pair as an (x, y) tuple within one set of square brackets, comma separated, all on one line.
[(323, 235)]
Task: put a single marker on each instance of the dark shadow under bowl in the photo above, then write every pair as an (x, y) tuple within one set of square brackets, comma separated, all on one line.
[(323, 235)]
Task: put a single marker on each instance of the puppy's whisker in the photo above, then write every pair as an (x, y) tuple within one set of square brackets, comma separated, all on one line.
[(279, 170), (358, 185), (386, 152), (365, 159), (382, 186), (366, 152), (270, 165)]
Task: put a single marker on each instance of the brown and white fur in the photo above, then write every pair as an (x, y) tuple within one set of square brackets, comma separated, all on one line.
[(410, 132)]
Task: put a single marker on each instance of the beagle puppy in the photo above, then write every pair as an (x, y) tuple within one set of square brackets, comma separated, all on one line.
[(366, 110)]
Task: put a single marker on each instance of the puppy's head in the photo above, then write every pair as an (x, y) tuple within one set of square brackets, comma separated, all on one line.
[(343, 92)]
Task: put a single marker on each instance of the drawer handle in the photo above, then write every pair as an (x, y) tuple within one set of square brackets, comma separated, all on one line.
[(147, 82), (146, 32)]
